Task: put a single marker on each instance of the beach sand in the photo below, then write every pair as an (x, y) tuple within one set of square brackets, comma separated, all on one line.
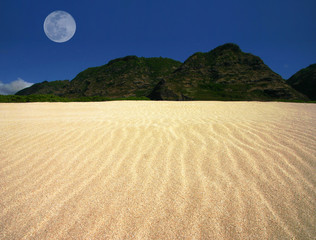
[(158, 170)]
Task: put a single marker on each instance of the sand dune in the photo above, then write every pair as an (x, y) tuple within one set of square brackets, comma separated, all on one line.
[(158, 170)]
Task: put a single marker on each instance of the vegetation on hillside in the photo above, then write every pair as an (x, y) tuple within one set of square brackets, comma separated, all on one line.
[(224, 73), (54, 98), (305, 81), (55, 87)]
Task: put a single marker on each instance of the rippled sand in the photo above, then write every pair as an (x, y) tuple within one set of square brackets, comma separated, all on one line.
[(158, 170)]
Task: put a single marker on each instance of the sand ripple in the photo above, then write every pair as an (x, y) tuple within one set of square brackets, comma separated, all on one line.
[(158, 170)]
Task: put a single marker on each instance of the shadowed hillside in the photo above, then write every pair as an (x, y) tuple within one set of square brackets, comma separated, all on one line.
[(304, 81)]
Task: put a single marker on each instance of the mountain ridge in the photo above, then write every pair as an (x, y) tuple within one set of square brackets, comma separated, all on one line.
[(224, 73)]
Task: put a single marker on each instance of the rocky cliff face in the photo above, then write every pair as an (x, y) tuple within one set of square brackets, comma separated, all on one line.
[(225, 73), (304, 81)]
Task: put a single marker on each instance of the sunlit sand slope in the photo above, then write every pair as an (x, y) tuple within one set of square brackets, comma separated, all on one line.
[(158, 170)]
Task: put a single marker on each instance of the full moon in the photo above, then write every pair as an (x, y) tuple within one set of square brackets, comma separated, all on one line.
[(59, 26)]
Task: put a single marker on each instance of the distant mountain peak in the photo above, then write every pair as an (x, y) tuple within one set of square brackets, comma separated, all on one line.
[(227, 46), (127, 58), (226, 73)]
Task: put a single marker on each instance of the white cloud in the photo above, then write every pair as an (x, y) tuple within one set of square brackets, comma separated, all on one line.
[(13, 87)]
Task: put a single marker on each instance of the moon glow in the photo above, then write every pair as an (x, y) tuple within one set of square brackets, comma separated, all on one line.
[(59, 26)]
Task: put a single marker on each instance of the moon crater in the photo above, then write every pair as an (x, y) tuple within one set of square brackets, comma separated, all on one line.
[(59, 26)]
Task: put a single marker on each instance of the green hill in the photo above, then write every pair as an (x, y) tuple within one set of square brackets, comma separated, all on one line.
[(304, 81), (225, 73), (58, 88), (122, 77)]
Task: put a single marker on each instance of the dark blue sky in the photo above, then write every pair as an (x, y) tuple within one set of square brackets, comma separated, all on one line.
[(281, 32)]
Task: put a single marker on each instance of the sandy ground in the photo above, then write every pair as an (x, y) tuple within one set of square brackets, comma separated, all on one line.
[(158, 170)]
